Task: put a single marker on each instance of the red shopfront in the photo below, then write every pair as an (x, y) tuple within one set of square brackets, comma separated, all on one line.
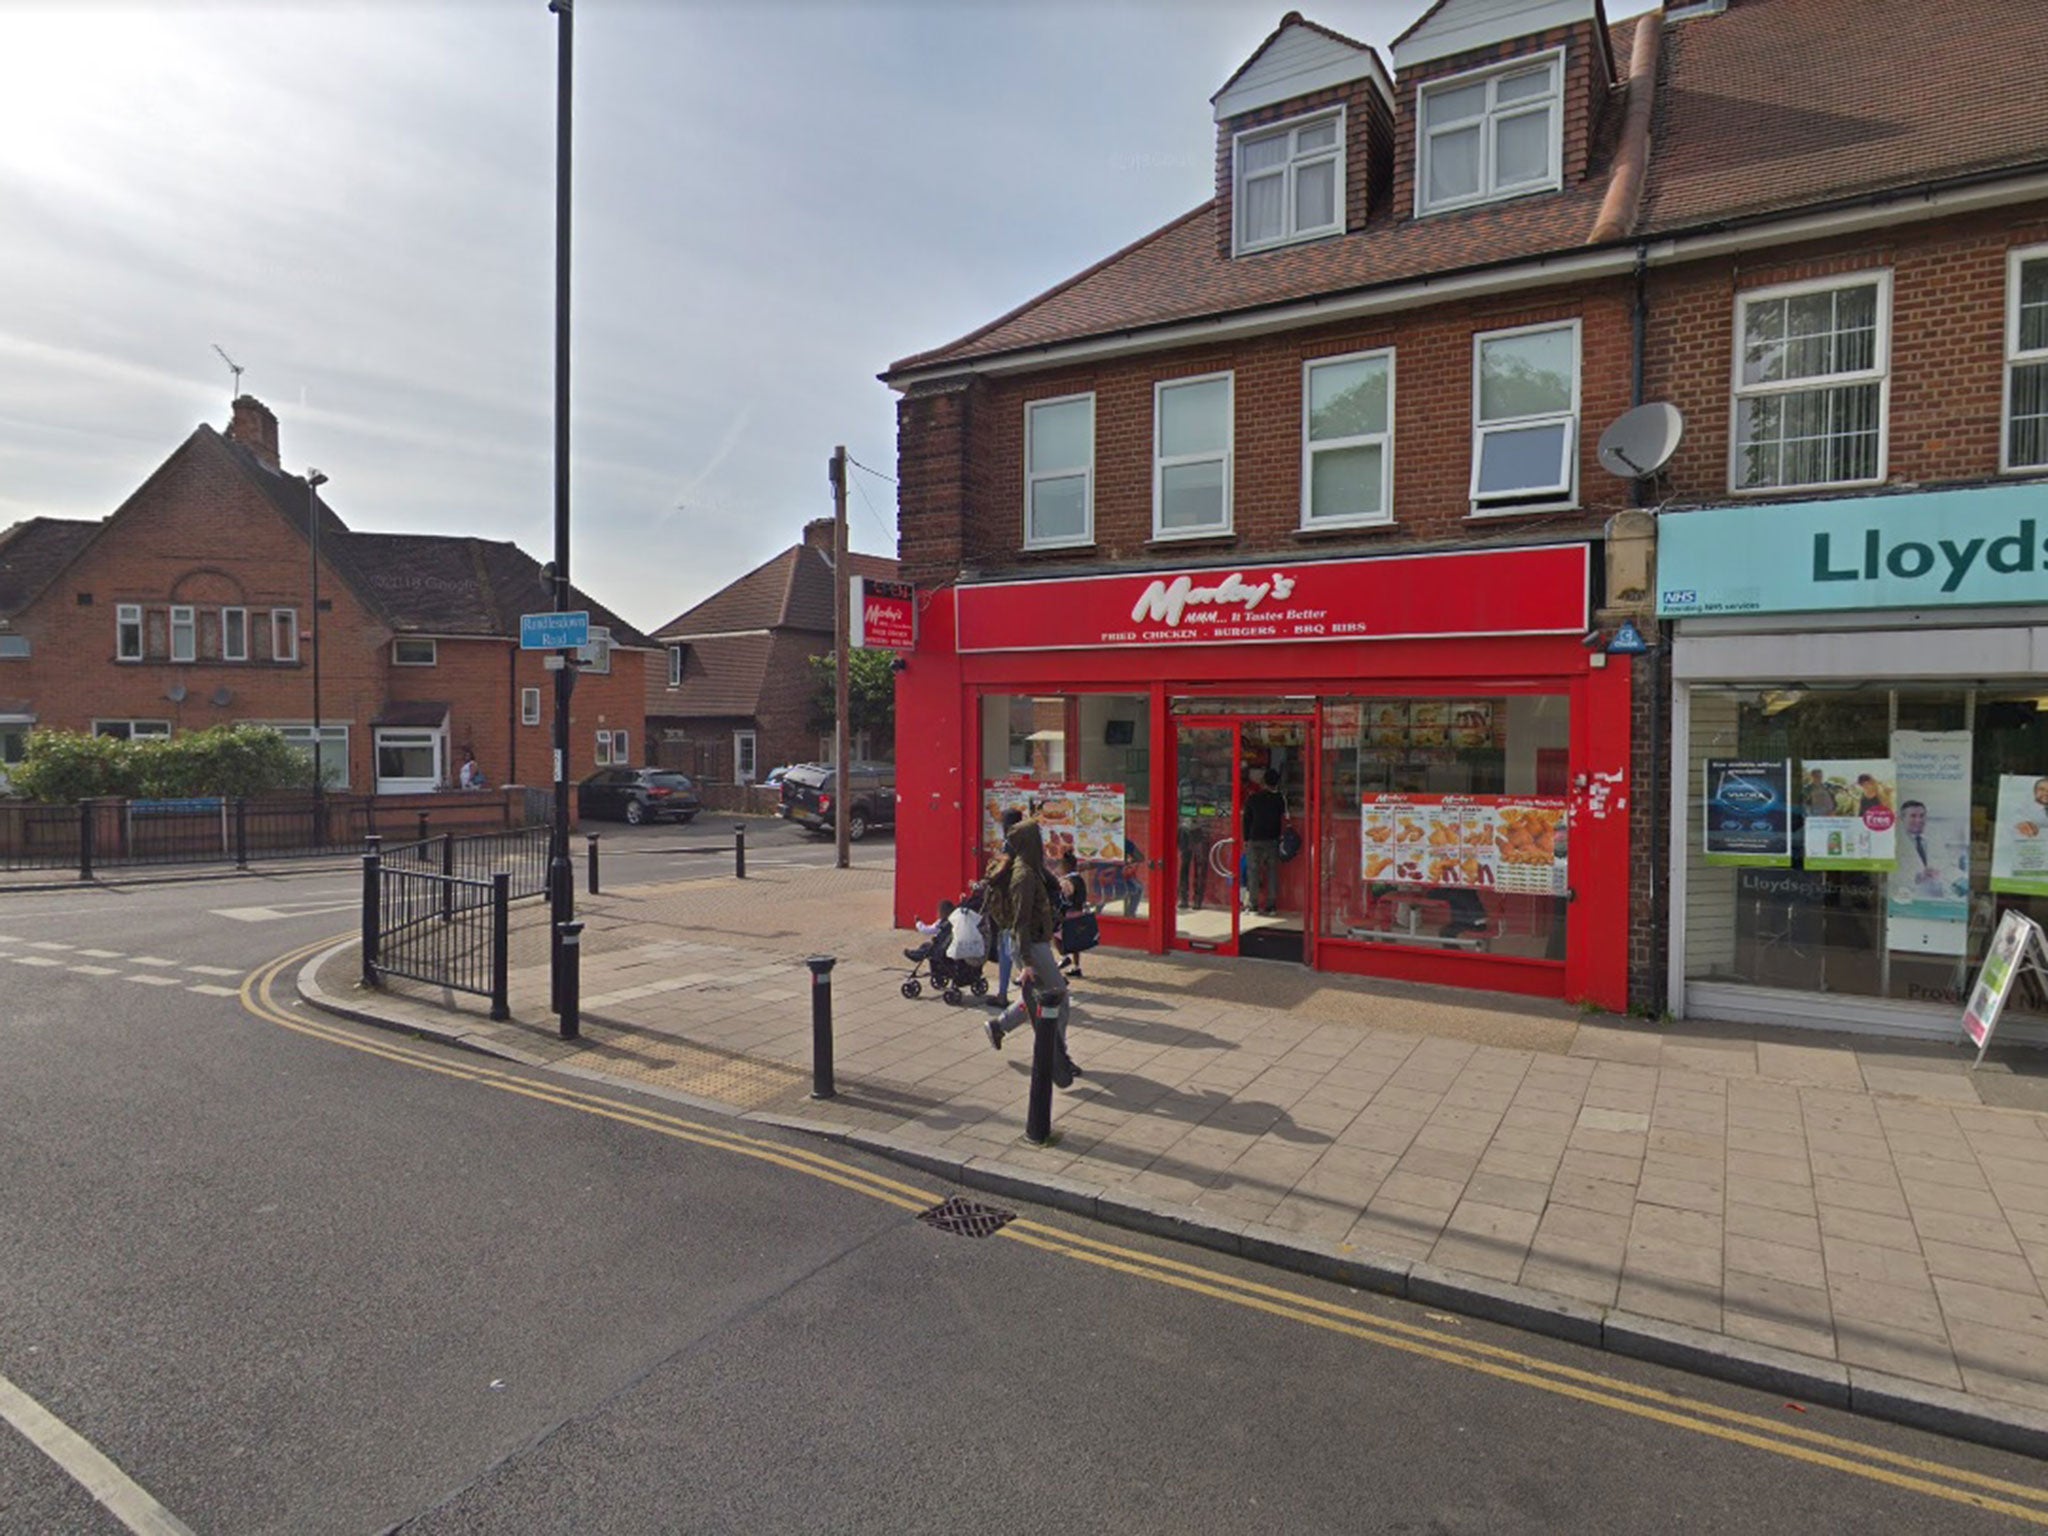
[(1448, 758)]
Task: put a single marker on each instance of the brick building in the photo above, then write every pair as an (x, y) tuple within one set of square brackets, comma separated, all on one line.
[(192, 606), (737, 694), (1307, 481)]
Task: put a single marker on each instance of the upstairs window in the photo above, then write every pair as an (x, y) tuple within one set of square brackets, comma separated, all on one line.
[(1059, 472), (234, 634), (1347, 449), (1290, 182), (1525, 419), (675, 666), (184, 633), (2026, 351), (128, 631), (284, 634), (413, 653), (529, 706), (1491, 136), (1191, 435), (1810, 371)]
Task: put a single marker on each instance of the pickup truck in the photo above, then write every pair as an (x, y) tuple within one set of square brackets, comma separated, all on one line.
[(807, 797)]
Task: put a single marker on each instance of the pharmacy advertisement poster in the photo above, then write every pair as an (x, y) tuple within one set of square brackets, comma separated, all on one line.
[(2019, 837), (1748, 812), (1851, 806), (1927, 894), (2016, 941)]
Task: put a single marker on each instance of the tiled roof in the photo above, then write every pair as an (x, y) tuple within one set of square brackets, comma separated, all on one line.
[(1780, 104), (792, 590), (442, 584), (720, 677), (1770, 107), (33, 552)]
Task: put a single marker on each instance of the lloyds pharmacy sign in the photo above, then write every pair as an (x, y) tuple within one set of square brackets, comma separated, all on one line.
[(1927, 549)]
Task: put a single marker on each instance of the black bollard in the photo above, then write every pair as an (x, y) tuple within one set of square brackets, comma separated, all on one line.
[(593, 836), (572, 980), (1045, 1055), (423, 826), (739, 851), (821, 1026)]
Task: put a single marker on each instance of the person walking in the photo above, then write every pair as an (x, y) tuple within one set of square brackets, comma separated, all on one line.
[(1265, 817), (1025, 908), (997, 877)]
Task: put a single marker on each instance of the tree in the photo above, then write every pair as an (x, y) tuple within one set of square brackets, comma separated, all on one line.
[(870, 695)]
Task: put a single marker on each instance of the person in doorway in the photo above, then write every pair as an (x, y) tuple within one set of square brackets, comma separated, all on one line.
[(1193, 847), (1265, 815), (1023, 907), (997, 877)]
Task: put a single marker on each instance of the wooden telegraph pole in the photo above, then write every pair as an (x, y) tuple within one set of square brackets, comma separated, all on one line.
[(842, 598)]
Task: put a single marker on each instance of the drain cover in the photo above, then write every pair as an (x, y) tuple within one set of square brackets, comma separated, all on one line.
[(966, 1218)]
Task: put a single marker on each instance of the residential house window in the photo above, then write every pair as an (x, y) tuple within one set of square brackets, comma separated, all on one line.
[(15, 648), (675, 666), (2026, 350), (184, 633), (234, 634), (743, 770), (1347, 446), (409, 761), (1290, 182), (1525, 419), (333, 751), (1491, 136), (128, 631), (14, 730), (412, 653), (529, 706), (1192, 427), (284, 634), (1059, 472), (622, 752), (133, 730), (1811, 368), (604, 749)]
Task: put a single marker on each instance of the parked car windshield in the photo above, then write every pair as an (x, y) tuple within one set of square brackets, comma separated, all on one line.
[(669, 780)]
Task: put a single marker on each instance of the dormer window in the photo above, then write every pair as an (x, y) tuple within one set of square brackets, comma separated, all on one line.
[(1487, 136), (1289, 182)]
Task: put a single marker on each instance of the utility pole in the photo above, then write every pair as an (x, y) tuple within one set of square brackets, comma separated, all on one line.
[(314, 480), (562, 887), (842, 598)]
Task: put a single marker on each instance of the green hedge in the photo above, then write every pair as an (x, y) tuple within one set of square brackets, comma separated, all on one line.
[(228, 760)]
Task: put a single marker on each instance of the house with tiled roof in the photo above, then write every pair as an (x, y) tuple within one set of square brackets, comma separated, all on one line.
[(1310, 483), (193, 605), (737, 694)]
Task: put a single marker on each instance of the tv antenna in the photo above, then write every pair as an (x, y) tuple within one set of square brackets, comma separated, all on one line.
[(233, 367), (1641, 441)]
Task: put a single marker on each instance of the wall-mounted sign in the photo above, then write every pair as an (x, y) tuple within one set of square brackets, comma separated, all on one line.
[(884, 615), (1540, 590), (1930, 549)]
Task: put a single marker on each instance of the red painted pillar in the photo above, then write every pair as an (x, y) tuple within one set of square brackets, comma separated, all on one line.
[(1596, 955), (935, 772)]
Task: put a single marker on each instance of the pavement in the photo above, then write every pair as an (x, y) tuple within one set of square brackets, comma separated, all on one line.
[(1854, 1221)]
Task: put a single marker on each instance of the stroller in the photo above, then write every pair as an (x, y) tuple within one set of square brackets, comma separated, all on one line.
[(953, 978)]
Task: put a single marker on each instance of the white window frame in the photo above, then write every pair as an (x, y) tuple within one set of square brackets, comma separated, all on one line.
[(1488, 192), (229, 618), (746, 757), (127, 615), (284, 624), (408, 736), (15, 648), (2015, 359), (185, 626), (1383, 439), (134, 730), (1879, 373), (529, 706), (1563, 494), (1292, 234), (1086, 470), (433, 650), (622, 749), (334, 747), (675, 666), (601, 749), (1162, 462)]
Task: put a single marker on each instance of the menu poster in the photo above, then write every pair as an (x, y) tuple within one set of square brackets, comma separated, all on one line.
[(1472, 723), (1851, 806), (1927, 895), (1481, 842), (1429, 723), (1386, 722), (1086, 820), (1749, 812), (1341, 723), (1531, 838), (1009, 795), (2019, 841)]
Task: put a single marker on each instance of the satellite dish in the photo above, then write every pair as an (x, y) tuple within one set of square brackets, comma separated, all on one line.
[(1641, 441), (175, 693), (222, 697)]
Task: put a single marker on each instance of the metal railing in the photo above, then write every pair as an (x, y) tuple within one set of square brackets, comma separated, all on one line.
[(446, 930), (523, 855)]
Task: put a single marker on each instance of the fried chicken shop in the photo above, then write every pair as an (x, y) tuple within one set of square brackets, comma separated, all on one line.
[(1442, 757)]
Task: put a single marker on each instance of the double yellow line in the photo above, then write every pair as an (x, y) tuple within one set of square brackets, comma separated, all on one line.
[(1956, 1485)]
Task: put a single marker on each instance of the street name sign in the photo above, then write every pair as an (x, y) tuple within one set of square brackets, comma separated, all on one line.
[(553, 631)]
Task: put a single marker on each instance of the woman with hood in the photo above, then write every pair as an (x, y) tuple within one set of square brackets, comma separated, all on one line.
[(1022, 905)]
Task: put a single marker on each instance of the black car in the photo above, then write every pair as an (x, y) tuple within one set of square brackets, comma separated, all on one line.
[(808, 788), (634, 795)]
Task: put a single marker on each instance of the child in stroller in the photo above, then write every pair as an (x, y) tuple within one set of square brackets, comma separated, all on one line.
[(956, 950)]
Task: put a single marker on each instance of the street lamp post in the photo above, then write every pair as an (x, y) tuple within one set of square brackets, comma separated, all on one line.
[(314, 480), (563, 889)]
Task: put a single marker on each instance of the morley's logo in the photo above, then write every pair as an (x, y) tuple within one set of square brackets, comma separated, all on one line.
[(1911, 559), (1165, 602)]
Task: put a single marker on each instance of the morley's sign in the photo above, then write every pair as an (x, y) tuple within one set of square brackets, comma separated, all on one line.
[(1534, 591), (1930, 549), (884, 615)]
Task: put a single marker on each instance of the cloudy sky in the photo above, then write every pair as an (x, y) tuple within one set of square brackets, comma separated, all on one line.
[(773, 200)]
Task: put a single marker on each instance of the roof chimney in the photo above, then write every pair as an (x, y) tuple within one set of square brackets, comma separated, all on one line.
[(255, 428), (818, 534)]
